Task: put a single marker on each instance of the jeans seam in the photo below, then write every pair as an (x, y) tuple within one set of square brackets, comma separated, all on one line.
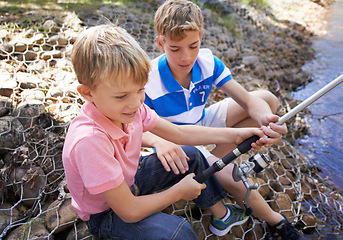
[(178, 229)]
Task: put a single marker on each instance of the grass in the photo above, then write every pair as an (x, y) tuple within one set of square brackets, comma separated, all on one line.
[(261, 3)]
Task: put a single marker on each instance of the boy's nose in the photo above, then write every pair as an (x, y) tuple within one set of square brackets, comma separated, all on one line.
[(185, 56), (137, 102)]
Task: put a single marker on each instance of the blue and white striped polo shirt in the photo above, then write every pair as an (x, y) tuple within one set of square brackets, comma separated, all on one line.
[(179, 105)]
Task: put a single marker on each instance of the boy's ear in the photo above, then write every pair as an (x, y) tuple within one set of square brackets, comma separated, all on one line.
[(85, 92), (159, 43)]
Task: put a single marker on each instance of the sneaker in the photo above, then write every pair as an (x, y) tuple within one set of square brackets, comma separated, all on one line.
[(237, 217), (284, 230)]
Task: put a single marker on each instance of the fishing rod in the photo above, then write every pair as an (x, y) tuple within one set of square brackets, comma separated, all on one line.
[(245, 146), (258, 162)]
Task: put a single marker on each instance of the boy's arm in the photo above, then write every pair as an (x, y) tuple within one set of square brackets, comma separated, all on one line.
[(132, 208), (258, 109), (170, 154), (198, 135)]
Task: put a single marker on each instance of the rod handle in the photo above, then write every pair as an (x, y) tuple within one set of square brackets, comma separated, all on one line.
[(246, 144), (242, 148), (207, 173)]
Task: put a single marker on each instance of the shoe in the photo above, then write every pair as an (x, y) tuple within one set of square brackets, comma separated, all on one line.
[(284, 230), (238, 216)]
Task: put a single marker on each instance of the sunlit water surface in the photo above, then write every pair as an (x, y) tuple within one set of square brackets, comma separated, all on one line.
[(324, 144)]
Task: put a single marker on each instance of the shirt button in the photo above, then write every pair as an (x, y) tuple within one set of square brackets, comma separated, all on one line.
[(190, 104)]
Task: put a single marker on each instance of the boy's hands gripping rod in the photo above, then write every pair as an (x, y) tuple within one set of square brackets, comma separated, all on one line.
[(245, 146)]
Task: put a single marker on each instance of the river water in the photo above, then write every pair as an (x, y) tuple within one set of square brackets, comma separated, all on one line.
[(323, 146)]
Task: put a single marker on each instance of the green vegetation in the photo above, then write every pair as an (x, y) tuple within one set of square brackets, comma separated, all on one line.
[(262, 3)]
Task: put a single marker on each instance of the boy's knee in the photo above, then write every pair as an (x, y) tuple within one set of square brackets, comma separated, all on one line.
[(197, 162), (269, 97)]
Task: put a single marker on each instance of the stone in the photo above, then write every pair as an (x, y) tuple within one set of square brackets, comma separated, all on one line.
[(8, 214), (28, 183), (60, 215), (81, 232), (11, 132), (34, 229)]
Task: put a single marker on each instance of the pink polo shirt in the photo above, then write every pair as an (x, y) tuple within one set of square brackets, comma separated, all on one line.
[(99, 156)]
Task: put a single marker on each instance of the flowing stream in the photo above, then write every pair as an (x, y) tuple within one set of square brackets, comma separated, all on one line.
[(323, 146)]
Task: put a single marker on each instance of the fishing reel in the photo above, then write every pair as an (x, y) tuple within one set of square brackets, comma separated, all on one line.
[(249, 168)]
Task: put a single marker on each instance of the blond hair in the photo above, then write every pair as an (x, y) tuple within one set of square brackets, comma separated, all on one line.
[(174, 17), (107, 53)]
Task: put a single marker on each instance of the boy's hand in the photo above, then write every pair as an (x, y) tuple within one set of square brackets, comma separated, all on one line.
[(273, 133), (190, 188), (172, 156)]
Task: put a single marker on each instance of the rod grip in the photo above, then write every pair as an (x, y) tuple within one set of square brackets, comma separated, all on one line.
[(242, 148), (246, 144), (207, 173)]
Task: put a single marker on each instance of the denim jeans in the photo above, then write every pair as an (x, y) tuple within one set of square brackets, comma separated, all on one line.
[(152, 177)]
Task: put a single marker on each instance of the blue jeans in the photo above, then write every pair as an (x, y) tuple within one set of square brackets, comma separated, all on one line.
[(151, 177)]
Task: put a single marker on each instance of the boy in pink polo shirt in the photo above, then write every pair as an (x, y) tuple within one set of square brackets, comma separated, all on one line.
[(101, 154)]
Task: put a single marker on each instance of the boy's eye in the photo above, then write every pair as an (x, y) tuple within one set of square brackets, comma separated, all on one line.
[(121, 97), (174, 50)]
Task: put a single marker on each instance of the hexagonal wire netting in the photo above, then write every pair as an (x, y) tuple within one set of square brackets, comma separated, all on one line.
[(38, 99)]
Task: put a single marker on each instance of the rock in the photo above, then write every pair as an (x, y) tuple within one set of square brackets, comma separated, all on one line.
[(8, 214), (28, 112), (263, 187), (28, 81), (282, 203), (47, 55), (11, 132), (60, 215), (28, 183), (22, 45), (231, 54), (250, 60), (49, 25), (30, 95), (7, 83), (292, 193), (5, 107), (256, 233), (177, 208), (58, 40), (308, 188), (34, 229), (309, 220), (81, 232)]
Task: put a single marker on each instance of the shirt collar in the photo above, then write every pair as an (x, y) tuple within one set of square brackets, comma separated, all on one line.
[(110, 128), (168, 79)]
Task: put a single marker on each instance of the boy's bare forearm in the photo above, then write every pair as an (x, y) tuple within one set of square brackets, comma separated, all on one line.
[(132, 208), (149, 139), (199, 135)]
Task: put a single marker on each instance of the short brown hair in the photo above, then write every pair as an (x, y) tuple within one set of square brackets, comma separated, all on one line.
[(107, 53), (174, 17)]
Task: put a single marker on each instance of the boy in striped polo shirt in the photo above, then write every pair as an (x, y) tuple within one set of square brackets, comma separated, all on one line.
[(180, 83)]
